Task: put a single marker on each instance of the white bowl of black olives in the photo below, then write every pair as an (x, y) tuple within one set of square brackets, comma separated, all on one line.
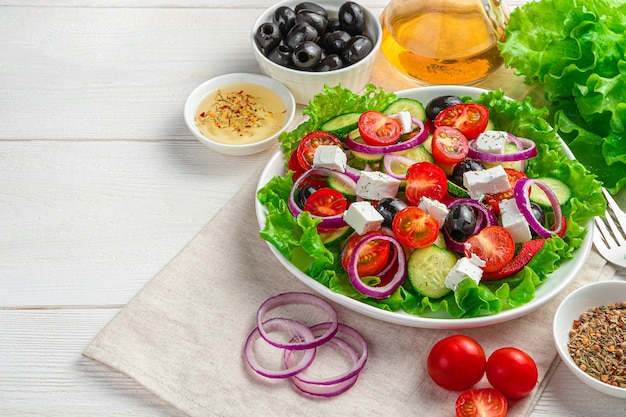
[(306, 45)]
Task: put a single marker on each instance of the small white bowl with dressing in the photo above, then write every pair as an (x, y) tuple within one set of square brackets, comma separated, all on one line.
[(239, 114)]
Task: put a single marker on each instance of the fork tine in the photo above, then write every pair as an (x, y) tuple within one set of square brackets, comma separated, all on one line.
[(605, 237), (619, 214)]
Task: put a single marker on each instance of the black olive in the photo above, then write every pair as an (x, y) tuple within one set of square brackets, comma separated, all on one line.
[(334, 42), (537, 214), (299, 33), (312, 18), (311, 6), (332, 62), (434, 106), (304, 192), (356, 49), (352, 18), (281, 55), (285, 18), (267, 37), (460, 222), (306, 55), (388, 207), (332, 24), (464, 166)]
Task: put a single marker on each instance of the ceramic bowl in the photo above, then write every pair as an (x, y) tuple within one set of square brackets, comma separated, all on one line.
[(214, 84), (306, 84), (580, 300)]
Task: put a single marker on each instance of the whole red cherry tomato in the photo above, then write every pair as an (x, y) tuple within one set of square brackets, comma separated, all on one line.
[(456, 362), (511, 371)]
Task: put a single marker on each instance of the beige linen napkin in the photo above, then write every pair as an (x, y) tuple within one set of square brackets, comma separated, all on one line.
[(182, 335)]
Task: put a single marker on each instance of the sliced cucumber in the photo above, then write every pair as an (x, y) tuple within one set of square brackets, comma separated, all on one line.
[(558, 187), (341, 186), (335, 236), (414, 107), (508, 148), (368, 158), (418, 154), (457, 190), (428, 268), (343, 124)]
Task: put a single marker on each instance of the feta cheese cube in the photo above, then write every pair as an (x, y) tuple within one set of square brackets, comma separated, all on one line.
[(331, 157), (404, 117), (435, 208), (513, 221), (492, 141), (376, 185), (489, 181), (363, 217), (464, 268)]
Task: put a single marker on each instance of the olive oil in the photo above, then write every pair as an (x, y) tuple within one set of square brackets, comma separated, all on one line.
[(436, 46)]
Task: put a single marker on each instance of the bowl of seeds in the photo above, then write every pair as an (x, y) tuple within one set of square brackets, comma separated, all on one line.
[(589, 331)]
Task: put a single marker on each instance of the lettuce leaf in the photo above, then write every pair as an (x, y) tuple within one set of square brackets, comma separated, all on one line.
[(298, 241), (334, 102), (576, 50)]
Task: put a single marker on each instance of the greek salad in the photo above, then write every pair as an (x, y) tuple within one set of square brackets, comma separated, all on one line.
[(457, 206)]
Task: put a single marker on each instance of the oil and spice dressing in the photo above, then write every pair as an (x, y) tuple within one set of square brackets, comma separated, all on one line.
[(241, 114)]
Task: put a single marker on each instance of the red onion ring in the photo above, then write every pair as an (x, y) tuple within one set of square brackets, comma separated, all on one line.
[(412, 142), (297, 298), (485, 218), (390, 158), (335, 385), (328, 222), (521, 191), (292, 326), (529, 150), (384, 290)]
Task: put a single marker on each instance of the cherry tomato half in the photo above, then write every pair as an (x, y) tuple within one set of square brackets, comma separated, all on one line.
[(481, 402), (511, 371), (425, 179), (449, 145), (376, 129), (413, 227), (372, 257), (456, 362), (494, 245), (470, 118), (310, 142), (326, 202)]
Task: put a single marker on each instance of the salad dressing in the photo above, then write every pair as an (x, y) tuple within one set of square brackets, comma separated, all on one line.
[(443, 41), (241, 114)]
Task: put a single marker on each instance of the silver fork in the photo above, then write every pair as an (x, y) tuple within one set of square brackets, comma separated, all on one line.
[(611, 240)]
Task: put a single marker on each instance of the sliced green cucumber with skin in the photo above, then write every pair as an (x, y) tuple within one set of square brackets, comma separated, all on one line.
[(368, 158), (343, 124), (558, 187), (335, 236), (341, 186), (456, 190), (508, 148), (414, 107), (418, 154), (427, 269)]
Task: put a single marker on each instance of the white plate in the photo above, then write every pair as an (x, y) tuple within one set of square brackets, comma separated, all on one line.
[(549, 289)]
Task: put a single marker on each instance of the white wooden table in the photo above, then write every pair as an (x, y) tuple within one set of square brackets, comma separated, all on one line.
[(101, 185)]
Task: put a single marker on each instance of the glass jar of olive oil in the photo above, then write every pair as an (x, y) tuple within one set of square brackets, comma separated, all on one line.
[(444, 41)]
